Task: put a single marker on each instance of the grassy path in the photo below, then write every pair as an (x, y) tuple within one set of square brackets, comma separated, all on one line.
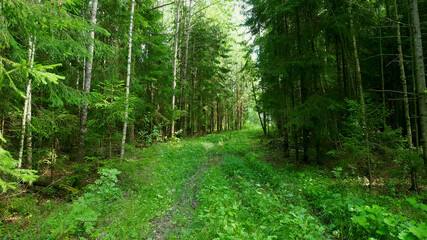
[(207, 188), (219, 187)]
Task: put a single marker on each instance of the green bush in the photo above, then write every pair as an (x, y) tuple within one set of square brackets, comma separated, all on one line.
[(378, 222), (84, 213)]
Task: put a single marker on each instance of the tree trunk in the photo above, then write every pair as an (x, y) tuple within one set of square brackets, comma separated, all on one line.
[(382, 80), (213, 117), (295, 132), (87, 81), (241, 115), (258, 110), (303, 88), (340, 71), (187, 44), (285, 122), (361, 96), (218, 115), (175, 66), (414, 90), (30, 131), (129, 68), (2, 132), (403, 78), (26, 115), (420, 76)]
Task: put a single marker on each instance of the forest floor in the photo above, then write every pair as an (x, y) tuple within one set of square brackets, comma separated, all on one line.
[(233, 185)]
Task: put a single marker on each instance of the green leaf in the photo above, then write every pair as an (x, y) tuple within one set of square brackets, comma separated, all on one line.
[(419, 231)]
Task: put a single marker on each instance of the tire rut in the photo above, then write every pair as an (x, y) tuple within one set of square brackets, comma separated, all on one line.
[(184, 205)]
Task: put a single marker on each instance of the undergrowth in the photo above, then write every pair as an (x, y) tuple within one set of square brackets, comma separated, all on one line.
[(220, 187)]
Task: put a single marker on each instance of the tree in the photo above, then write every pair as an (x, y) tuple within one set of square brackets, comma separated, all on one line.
[(26, 116), (175, 64), (403, 77), (420, 75), (129, 66), (87, 80)]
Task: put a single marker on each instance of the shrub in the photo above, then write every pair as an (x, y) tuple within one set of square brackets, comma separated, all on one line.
[(84, 213)]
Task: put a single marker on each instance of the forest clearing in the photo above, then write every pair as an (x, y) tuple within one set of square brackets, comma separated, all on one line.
[(213, 119)]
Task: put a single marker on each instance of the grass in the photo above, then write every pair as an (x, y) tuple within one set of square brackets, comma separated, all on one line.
[(221, 187)]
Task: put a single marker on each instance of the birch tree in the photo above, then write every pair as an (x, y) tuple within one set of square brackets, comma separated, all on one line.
[(175, 65), (129, 67), (26, 115), (87, 80)]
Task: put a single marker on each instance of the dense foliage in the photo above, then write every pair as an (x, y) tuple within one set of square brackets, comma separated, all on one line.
[(219, 187), (339, 80), (63, 77), (116, 119)]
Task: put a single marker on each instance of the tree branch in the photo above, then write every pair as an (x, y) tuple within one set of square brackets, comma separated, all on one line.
[(164, 5)]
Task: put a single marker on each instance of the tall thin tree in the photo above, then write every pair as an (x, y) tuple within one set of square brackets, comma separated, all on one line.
[(87, 80), (129, 68), (420, 75), (403, 77), (382, 80), (26, 115), (361, 93), (175, 65)]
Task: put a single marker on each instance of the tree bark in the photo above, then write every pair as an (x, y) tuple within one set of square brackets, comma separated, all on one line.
[(175, 66), (403, 78), (382, 80), (303, 86), (218, 115), (361, 96), (29, 115), (241, 115), (414, 90), (26, 115), (420, 76), (285, 123), (258, 110), (129, 68), (340, 70), (187, 45), (29, 139), (87, 82)]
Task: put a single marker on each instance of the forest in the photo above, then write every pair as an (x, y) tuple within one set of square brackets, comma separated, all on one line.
[(210, 119)]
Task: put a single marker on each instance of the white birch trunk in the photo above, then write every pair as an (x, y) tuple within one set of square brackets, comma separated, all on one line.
[(29, 115), (26, 115), (125, 124), (87, 81), (175, 66)]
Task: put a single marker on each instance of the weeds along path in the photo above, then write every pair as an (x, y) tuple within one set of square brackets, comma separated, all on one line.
[(242, 197), (213, 187), (219, 187), (160, 191), (207, 188)]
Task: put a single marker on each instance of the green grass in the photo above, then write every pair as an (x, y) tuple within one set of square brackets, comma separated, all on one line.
[(220, 187)]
